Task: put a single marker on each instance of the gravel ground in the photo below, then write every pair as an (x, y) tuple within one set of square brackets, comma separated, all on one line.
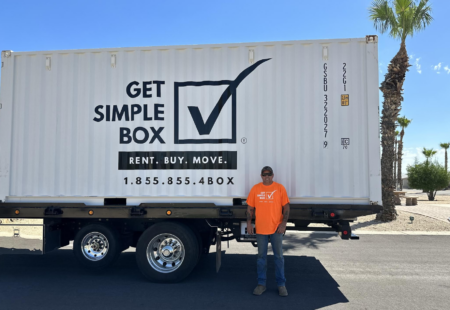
[(403, 223), (428, 215)]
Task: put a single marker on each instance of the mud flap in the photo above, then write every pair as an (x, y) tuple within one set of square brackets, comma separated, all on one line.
[(218, 251)]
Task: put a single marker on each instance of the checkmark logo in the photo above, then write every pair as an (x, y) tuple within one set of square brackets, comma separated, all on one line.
[(270, 195), (205, 127)]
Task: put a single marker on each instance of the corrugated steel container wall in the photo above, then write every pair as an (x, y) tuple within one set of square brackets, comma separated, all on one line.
[(58, 150)]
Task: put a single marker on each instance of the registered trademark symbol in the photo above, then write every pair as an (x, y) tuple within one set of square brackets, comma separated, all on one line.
[(244, 140)]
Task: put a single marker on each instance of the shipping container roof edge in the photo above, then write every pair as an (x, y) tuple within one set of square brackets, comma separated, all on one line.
[(248, 44)]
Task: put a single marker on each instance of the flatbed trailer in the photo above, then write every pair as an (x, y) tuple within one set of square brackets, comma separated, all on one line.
[(113, 228)]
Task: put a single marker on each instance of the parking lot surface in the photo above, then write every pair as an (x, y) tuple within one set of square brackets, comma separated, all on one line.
[(322, 271)]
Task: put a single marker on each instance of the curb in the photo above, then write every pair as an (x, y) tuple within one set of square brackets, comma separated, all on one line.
[(432, 217), (374, 232)]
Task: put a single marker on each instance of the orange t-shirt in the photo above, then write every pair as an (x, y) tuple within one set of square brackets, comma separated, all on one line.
[(268, 202)]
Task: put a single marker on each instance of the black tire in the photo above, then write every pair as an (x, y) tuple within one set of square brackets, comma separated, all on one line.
[(200, 246), (203, 249), (182, 252), (107, 253)]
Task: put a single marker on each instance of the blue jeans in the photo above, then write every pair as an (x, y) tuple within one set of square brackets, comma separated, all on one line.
[(277, 246)]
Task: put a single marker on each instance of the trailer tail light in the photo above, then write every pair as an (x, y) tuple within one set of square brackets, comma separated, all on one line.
[(332, 214), (345, 232)]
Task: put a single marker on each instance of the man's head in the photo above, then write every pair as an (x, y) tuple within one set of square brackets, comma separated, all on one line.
[(267, 175)]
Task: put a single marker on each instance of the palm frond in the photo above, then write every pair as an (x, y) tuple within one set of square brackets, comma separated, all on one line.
[(422, 16), (409, 24), (428, 152), (383, 17), (401, 19), (401, 6), (403, 121)]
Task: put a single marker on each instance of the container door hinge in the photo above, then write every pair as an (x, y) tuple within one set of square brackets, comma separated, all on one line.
[(113, 60), (251, 56), (53, 211), (48, 63), (325, 53)]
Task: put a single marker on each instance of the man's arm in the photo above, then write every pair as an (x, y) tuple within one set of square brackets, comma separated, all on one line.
[(282, 227), (250, 212)]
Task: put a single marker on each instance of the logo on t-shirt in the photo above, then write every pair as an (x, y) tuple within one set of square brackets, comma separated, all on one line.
[(266, 195), (270, 195)]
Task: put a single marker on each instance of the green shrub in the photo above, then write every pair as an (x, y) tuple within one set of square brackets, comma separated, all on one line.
[(428, 176)]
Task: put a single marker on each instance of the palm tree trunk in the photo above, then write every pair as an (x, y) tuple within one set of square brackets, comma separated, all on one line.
[(392, 94), (399, 159), (395, 163), (446, 165), (446, 160)]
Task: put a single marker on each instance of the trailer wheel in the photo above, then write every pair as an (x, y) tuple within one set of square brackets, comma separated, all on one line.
[(203, 249), (167, 252), (97, 246)]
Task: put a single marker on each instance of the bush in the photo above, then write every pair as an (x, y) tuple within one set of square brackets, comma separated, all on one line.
[(428, 176)]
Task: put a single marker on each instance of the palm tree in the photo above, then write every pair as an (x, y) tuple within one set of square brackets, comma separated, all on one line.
[(403, 122), (428, 153), (402, 20), (445, 146)]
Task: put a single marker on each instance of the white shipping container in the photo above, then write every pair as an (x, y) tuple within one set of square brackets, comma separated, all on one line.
[(191, 123)]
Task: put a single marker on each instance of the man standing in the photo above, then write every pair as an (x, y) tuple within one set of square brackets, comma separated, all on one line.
[(270, 204)]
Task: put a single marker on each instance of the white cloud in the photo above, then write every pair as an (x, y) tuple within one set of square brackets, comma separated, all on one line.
[(437, 68), (447, 69), (380, 65), (418, 66)]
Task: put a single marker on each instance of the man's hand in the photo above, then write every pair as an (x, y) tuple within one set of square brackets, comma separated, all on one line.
[(250, 228), (250, 212), (281, 228)]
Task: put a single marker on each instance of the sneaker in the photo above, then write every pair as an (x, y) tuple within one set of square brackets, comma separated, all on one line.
[(259, 290), (282, 291)]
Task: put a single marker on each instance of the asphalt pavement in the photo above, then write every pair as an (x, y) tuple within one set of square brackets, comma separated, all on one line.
[(322, 271)]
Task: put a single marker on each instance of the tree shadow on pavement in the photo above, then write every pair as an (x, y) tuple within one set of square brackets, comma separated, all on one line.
[(373, 222), (56, 281), (298, 241)]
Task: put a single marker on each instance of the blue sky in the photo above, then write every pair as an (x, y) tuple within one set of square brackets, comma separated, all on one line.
[(57, 25)]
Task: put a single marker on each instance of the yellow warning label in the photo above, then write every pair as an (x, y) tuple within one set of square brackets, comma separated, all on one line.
[(345, 101)]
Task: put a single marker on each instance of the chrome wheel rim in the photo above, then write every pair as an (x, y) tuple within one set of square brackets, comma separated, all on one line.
[(165, 253), (94, 246)]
